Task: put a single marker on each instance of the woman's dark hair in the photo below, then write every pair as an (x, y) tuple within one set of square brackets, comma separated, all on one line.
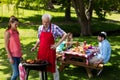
[(12, 20), (102, 35)]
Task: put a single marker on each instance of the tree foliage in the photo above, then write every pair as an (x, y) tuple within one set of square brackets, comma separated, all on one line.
[(66, 6), (102, 7), (83, 8)]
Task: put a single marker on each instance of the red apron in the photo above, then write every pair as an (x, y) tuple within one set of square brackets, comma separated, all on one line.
[(45, 52)]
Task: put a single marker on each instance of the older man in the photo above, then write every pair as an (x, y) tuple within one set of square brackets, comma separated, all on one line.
[(103, 55), (47, 34)]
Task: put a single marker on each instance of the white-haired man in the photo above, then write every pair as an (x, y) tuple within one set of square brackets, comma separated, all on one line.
[(103, 52), (47, 34)]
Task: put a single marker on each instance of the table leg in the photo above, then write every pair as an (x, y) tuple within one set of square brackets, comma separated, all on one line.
[(43, 75), (89, 72), (99, 72), (27, 74), (63, 63), (62, 67)]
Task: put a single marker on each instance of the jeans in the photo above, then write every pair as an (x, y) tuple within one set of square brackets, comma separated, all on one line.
[(15, 68), (95, 60)]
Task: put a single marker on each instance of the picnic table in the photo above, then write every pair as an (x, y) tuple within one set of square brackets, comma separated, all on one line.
[(79, 59)]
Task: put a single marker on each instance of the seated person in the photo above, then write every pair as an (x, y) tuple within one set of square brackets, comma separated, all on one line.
[(61, 47), (103, 51), (65, 45)]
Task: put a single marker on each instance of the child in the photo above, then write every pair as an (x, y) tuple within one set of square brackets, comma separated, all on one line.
[(66, 45), (69, 41), (12, 46)]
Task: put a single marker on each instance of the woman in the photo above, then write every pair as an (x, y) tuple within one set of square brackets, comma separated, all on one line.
[(12, 46)]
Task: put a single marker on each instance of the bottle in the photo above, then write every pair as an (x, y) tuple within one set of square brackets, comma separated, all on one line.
[(85, 43), (77, 44), (85, 46)]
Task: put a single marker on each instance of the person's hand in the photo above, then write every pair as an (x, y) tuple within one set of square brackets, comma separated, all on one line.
[(96, 50), (11, 60), (33, 49), (98, 62), (53, 46), (77, 44), (21, 59)]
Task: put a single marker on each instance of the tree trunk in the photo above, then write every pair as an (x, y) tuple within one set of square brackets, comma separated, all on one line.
[(89, 15), (16, 7), (84, 19), (67, 10), (49, 4)]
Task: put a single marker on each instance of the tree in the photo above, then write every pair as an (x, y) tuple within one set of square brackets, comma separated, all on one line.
[(105, 6), (67, 10), (49, 4), (66, 6), (84, 10), (84, 14)]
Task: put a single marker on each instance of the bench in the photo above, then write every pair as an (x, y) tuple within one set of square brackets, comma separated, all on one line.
[(74, 60)]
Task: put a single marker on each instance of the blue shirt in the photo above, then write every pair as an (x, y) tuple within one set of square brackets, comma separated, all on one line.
[(105, 51), (56, 31), (60, 47)]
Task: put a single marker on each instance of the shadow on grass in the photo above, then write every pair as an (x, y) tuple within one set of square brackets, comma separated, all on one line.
[(5, 67), (110, 72), (43, 8), (32, 22), (79, 73)]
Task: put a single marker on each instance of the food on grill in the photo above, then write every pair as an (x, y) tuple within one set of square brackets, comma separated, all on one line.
[(30, 61), (39, 61), (35, 61)]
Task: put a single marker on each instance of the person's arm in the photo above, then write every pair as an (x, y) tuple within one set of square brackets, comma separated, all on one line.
[(62, 39), (36, 45), (105, 52), (72, 43), (6, 38)]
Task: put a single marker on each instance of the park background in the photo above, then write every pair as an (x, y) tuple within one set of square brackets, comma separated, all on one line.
[(105, 17)]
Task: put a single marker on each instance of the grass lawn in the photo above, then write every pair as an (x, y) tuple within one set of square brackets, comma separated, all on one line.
[(28, 36)]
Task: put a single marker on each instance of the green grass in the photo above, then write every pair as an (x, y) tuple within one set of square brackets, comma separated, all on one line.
[(29, 36)]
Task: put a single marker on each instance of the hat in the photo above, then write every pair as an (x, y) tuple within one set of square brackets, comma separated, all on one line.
[(104, 33)]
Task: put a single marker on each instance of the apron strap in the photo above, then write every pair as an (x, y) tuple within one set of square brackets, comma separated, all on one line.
[(50, 28)]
